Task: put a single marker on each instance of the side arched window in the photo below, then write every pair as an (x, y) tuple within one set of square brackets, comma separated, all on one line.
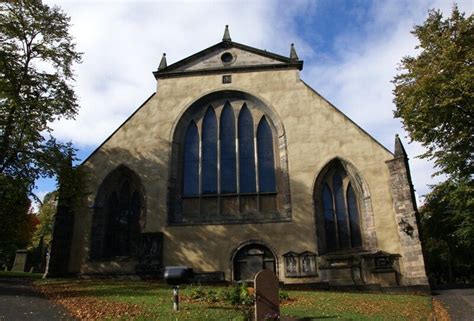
[(341, 212), (118, 211)]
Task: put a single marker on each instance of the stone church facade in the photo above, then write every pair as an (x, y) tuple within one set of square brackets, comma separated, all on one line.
[(235, 165)]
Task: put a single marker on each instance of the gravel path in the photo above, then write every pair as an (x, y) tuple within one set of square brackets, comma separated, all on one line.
[(458, 302), (19, 301)]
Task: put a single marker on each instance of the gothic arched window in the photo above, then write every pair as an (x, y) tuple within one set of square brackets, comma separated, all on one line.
[(227, 146), (117, 213), (246, 152), (191, 161), (209, 153), (226, 165), (266, 160), (341, 213)]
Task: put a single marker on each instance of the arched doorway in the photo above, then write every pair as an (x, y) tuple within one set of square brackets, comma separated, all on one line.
[(251, 259)]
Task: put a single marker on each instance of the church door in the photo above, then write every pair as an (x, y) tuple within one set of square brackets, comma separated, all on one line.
[(250, 260)]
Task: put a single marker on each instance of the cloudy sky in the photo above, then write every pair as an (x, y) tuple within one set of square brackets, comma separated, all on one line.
[(350, 50)]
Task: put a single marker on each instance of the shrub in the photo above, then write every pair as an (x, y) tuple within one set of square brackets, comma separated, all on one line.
[(239, 295), (284, 295)]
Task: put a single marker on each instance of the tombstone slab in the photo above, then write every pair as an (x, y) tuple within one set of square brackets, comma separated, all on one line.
[(267, 299), (19, 264)]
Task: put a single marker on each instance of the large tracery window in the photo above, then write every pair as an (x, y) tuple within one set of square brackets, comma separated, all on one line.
[(341, 213), (228, 165)]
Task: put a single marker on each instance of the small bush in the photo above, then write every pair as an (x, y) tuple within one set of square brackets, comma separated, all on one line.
[(211, 296), (284, 295), (198, 294), (239, 295)]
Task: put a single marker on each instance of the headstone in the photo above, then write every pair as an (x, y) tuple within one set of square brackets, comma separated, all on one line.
[(267, 299), (20, 261)]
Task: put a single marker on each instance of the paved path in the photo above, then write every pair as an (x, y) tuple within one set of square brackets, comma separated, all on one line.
[(458, 302), (19, 301)]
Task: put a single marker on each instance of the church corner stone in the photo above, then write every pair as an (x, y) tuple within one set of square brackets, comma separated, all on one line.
[(406, 216)]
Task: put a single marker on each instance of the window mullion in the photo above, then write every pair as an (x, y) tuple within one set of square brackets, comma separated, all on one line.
[(200, 166), (334, 213), (255, 156), (348, 221)]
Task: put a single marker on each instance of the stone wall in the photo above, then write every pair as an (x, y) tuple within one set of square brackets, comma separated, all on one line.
[(412, 266), (316, 133)]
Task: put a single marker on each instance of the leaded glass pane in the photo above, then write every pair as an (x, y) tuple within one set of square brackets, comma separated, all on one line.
[(228, 154), (266, 167), (191, 161), (353, 217), (329, 223), (343, 231), (209, 153), (246, 152)]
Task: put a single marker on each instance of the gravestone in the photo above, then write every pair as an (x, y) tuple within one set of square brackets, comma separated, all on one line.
[(19, 264), (267, 299)]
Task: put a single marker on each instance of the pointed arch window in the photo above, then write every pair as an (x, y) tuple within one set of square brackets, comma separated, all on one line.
[(266, 158), (191, 161), (246, 152), (209, 153), (341, 213), (227, 165), (227, 149), (118, 211)]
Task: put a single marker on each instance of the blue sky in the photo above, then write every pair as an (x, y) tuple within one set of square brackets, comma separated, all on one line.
[(350, 50)]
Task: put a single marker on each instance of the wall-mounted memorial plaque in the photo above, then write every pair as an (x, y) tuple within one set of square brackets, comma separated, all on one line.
[(308, 263), (292, 268)]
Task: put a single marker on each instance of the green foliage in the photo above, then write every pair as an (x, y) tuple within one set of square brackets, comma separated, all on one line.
[(46, 216), (434, 96), (15, 220), (240, 295), (36, 58), (284, 295), (447, 223)]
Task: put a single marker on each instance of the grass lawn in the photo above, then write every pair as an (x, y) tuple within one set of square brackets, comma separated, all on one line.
[(139, 300), (9, 274)]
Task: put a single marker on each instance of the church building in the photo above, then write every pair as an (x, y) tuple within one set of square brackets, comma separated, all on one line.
[(235, 165)]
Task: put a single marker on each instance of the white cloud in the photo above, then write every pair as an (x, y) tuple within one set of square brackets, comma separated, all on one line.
[(123, 43)]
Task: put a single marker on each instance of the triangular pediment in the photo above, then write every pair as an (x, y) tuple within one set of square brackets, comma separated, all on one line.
[(228, 56)]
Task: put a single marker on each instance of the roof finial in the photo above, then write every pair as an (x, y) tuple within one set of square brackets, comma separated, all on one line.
[(163, 63), (293, 55), (226, 34), (399, 149)]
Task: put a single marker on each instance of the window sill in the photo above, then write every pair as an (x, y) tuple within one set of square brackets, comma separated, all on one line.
[(343, 253), (115, 259), (228, 222)]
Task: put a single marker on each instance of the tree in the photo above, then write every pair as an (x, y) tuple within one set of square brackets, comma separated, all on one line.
[(447, 226), (14, 219), (46, 215), (36, 59), (434, 99), (434, 96)]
